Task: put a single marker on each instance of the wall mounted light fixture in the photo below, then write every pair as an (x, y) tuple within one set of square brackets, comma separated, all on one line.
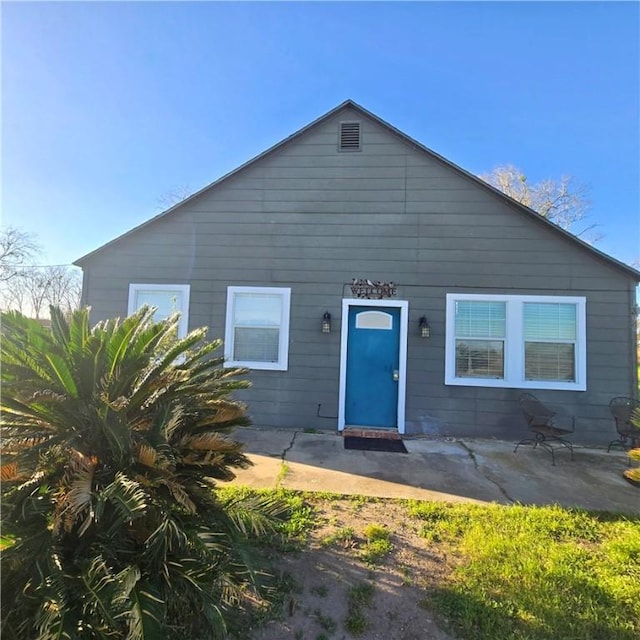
[(326, 322), (425, 329)]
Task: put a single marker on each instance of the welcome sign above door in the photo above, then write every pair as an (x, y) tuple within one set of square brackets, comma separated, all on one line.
[(373, 290)]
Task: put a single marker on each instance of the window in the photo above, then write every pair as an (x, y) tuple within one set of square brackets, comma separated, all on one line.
[(374, 320), (257, 327), (168, 298), (480, 333), (549, 341), (536, 342)]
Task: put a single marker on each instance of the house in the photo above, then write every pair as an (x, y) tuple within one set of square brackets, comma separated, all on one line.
[(368, 281)]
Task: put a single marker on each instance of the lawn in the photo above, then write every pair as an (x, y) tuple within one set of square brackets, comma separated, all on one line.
[(509, 572), (536, 572)]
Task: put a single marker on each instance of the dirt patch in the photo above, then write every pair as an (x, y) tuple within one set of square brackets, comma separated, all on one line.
[(337, 593)]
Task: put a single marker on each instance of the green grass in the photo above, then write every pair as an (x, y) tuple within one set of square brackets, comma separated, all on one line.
[(375, 551), (283, 473), (325, 621), (515, 572), (294, 526), (359, 596), (378, 544), (376, 532), (528, 573), (342, 536)]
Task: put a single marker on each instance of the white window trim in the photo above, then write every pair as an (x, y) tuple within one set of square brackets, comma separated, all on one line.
[(283, 350), (183, 324), (514, 344)]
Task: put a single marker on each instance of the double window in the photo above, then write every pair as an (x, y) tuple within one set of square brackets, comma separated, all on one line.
[(257, 327), (516, 341), (167, 298)]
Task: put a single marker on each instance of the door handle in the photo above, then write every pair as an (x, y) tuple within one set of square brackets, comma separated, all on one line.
[(396, 375)]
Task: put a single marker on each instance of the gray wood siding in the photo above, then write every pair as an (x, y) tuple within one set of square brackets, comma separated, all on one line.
[(311, 218)]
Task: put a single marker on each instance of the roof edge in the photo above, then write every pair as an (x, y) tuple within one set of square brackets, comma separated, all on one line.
[(485, 185), (216, 182), (601, 255)]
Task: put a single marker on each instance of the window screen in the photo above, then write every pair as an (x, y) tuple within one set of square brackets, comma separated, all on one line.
[(550, 341), (257, 327), (257, 318), (480, 328)]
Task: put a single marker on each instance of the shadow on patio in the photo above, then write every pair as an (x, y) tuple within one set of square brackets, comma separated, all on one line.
[(469, 470)]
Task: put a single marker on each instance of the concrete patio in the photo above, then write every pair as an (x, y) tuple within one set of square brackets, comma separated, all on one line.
[(456, 470)]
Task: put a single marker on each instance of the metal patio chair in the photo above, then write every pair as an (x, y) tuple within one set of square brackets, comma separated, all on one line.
[(622, 408), (546, 425)]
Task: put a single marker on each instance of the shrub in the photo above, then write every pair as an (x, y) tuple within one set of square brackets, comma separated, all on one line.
[(633, 475), (112, 439)]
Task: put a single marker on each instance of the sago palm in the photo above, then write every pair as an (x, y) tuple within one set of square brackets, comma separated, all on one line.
[(633, 475), (112, 439)]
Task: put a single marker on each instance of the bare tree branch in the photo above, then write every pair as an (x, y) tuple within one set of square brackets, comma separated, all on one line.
[(16, 249), (563, 201), (33, 289), (28, 288), (174, 196), (35, 283), (63, 288)]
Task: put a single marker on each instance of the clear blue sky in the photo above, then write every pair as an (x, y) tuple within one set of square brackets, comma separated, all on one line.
[(106, 107)]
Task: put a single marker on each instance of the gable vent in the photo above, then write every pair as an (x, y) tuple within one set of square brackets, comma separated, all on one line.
[(349, 136)]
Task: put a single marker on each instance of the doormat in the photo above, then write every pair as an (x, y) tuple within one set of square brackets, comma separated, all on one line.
[(374, 444)]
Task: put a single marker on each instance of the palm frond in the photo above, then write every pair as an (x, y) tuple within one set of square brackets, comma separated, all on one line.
[(147, 613), (76, 493), (128, 578), (9, 472), (127, 499), (198, 357), (101, 590), (121, 343), (225, 411), (209, 441), (53, 619), (146, 454), (181, 496), (37, 412), (61, 374), (114, 435), (59, 326), (168, 536), (255, 515)]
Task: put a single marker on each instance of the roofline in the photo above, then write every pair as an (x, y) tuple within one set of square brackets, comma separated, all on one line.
[(226, 176), (404, 137), (485, 185)]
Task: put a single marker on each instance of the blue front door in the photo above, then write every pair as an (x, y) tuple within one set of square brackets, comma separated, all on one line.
[(373, 341)]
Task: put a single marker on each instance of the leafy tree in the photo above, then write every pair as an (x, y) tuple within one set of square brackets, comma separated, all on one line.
[(561, 201), (112, 439)]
